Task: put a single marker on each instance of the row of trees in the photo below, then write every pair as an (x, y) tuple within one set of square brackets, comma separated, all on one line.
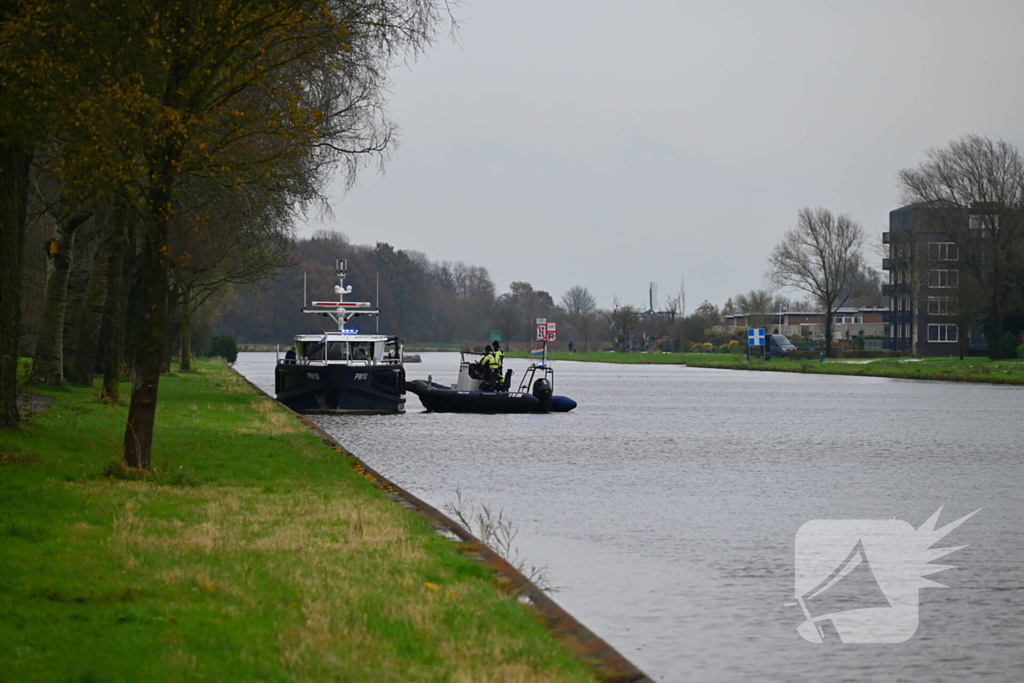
[(163, 149)]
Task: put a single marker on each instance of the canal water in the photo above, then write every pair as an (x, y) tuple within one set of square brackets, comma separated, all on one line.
[(666, 507)]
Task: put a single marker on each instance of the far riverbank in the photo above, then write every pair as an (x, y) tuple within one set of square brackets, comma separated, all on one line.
[(982, 370)]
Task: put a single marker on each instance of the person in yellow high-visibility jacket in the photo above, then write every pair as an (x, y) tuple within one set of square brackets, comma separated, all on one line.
[(499, 356), (490, 365)]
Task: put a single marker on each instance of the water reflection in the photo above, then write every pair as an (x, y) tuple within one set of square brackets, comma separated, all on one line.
[(666, 505)]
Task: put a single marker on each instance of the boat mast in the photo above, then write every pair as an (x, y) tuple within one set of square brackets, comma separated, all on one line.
[(341, 311)]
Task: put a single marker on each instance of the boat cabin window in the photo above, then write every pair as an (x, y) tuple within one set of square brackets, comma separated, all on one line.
[(311, 350), (340, 350), (337, 350), (362, 350)]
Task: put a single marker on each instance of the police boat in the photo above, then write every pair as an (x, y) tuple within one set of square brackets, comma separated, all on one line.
[(476, 393), (342, 370)]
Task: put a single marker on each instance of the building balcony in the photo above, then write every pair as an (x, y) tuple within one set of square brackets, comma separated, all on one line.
[(897, 317), (895, 290), (885, 238), (895, 264)]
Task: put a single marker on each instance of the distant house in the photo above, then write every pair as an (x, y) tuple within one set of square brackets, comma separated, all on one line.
[(924, 281), (848, 323)]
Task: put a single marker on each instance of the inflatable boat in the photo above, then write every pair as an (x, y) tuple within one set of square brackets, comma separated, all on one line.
[(474, 394)]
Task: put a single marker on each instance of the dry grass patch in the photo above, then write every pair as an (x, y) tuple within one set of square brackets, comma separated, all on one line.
[(269, 420)]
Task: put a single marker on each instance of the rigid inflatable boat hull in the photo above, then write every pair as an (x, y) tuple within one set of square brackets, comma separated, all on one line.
[(440, 399)]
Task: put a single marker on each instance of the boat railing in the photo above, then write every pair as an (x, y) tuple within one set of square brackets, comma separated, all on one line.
[(526, 383), (339, 361)]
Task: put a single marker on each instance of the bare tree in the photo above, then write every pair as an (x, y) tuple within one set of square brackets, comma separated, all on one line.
[(580, 304), (759, 305), (624, 318), (820, 256), (508, 318), (673, 307), (974, 188), (867, 288)]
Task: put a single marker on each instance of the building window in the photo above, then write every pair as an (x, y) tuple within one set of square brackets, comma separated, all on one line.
[(939, 278), (942, 333), (943, 251), (849, 319), (938, 305), (984, 222)]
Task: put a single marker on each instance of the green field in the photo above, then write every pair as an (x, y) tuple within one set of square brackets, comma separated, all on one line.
[(254, 552), (949, 369)]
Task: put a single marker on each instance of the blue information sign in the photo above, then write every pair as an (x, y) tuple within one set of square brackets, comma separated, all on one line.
[(755, 337)]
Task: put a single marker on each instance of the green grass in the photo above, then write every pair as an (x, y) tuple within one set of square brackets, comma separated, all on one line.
[(254, 552), (609, 357), (981, 370)]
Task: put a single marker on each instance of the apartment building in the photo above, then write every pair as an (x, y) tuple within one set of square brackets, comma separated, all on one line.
[(924, 283)]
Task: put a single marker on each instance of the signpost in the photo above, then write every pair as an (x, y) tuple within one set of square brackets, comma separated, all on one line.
[(756, 337), (546, 333)]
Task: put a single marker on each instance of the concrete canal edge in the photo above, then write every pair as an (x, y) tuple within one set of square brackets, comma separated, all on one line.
[(606, 663)]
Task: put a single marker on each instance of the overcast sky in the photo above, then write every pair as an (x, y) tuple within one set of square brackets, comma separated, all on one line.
[(612, 144)]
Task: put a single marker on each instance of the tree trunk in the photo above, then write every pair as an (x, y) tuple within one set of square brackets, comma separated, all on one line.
[(172, 328), (47, 368), (186, 332), (75, 306), (84, 368), (113, 314), (828, 331), (149, 352), (14, 168)]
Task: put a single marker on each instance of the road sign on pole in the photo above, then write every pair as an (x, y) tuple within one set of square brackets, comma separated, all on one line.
[(755, 337), (542, 332), (552, 331)]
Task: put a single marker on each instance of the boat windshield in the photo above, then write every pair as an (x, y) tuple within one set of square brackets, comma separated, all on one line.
[(312, 350), (362, 350)]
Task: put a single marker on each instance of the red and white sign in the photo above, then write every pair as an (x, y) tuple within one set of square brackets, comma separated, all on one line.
[(542, 332), (343, 304), (552, 332)]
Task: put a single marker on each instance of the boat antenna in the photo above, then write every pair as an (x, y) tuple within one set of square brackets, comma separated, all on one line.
[(305, 298), (378, 300), (341, 311)]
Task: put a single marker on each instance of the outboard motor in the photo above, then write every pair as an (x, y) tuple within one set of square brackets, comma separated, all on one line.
[(542, 391), (508, 380)]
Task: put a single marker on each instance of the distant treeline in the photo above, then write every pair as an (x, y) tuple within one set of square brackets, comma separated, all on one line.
[(445, 302), (419, 299)]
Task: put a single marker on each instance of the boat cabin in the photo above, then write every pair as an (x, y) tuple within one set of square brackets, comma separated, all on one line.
[(348, 349)]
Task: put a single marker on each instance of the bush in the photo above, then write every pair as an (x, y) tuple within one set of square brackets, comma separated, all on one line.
[(734, 346), (225, 347), (1020, 351)]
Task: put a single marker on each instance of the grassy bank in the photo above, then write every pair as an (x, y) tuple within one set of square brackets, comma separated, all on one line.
[(606, 357), (255, 553), (948, 369)]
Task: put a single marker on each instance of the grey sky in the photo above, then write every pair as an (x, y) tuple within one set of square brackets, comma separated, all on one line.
[(611, 144)]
